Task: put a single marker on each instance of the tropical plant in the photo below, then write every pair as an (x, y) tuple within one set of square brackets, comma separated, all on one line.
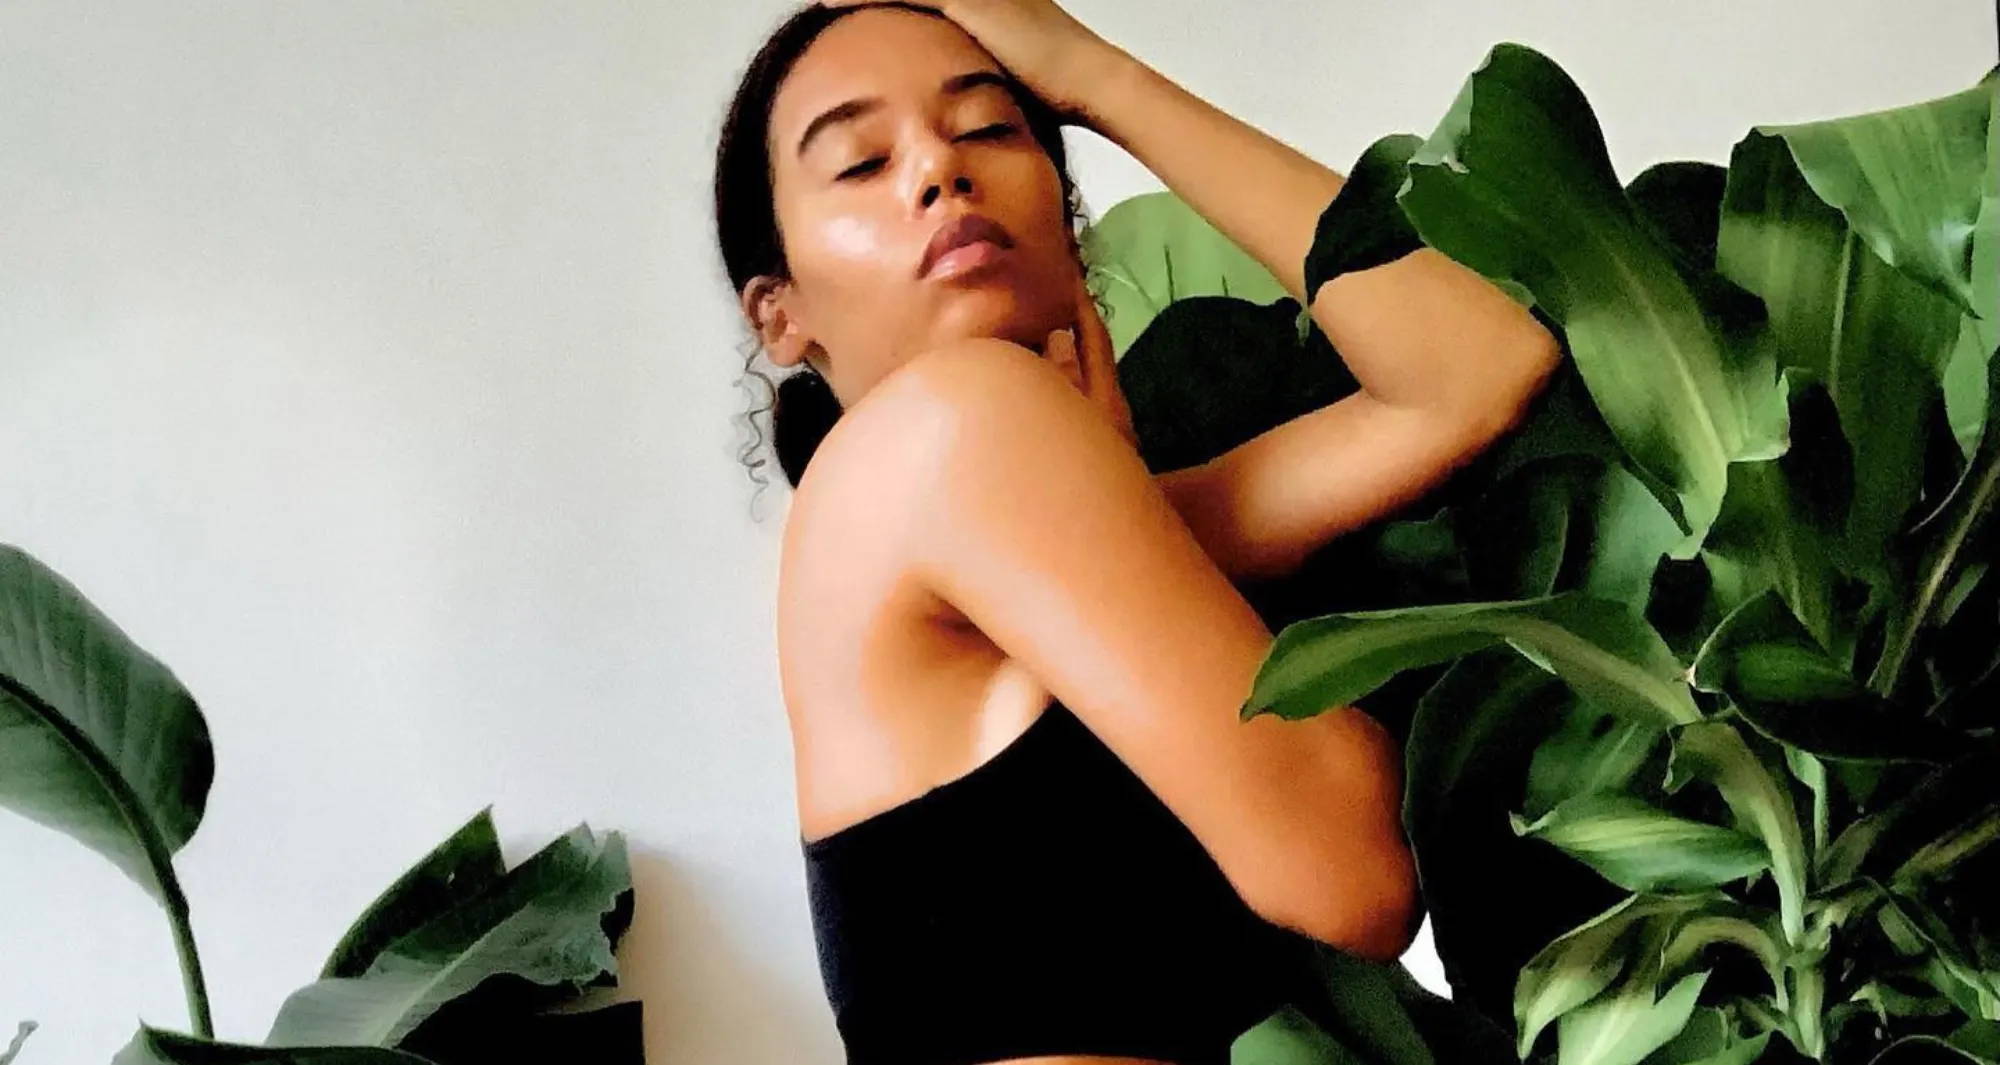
[(459, 958), (1695, 670)]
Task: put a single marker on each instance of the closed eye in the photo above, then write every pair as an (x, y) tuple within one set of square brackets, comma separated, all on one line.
[(868, 166)]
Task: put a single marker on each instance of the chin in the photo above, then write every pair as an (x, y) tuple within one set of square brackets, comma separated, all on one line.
[(994, 313)]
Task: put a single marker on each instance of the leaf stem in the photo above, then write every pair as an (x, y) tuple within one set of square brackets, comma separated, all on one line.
[(191, 978)]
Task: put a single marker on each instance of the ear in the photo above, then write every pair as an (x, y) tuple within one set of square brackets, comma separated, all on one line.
[(768, 307)]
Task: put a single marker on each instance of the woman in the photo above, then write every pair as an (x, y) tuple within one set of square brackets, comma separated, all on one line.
[(1035, 828)]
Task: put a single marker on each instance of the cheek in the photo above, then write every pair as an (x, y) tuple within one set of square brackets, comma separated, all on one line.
[(848, 237)]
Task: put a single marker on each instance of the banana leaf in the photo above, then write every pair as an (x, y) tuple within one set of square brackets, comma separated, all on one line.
[(1152, 249), (552, 923), (99, 740)]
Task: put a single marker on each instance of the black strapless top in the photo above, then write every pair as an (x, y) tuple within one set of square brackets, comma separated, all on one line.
[(1047, 902)]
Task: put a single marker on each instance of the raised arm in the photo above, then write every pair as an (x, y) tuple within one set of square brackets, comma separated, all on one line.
[(1446, 361), (1032, 518)]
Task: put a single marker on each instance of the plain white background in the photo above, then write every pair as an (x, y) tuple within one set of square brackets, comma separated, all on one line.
[(371, 364)]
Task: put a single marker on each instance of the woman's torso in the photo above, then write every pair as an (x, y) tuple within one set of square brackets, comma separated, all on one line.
[(891, 693)]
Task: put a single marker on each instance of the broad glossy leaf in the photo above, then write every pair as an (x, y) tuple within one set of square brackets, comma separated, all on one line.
[(1622, 1028), (1949, 799), (98, 739), (1960, 524), (1786, 686), (1211, 372), (1770, 534), (465, 864), (1605, 653), (153, 1046), (1708, 1039), (1909, 180), (1725, 921), (1364, 227), (1152, 249), (1917, 930), (1593, 751), (1582, 962), (1878, 339), (1640, 847), (1515, 184), (1289, 1037), (1570, 523), (1470, 741), (1382, 1012), (1762, 805), (544, 922)]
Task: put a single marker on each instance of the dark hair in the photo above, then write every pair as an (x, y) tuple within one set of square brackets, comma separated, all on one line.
[(804, 407)]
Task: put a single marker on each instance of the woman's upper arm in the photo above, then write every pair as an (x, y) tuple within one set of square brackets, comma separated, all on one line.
[(1044, 528)]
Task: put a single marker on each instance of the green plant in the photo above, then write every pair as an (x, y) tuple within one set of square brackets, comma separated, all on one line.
[(460, 957), (1695, 670)]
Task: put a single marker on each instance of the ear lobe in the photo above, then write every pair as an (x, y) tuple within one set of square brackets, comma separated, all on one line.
[(766, 307)]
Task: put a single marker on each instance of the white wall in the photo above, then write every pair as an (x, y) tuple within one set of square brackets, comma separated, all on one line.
[(371, 364)]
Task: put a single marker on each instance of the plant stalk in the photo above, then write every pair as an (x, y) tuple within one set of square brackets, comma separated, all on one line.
[(1809, 987), (191, 978)]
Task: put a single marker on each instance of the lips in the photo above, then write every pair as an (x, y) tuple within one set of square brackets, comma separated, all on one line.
[(966, 229)]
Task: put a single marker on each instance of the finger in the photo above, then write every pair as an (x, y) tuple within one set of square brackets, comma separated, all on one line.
[(1061, 351), (1098, 356)]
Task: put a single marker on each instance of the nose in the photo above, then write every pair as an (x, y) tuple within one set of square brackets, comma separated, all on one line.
[(932, 191), (942, 164)]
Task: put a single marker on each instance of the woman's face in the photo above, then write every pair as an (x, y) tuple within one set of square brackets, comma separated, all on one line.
[(858, 205)]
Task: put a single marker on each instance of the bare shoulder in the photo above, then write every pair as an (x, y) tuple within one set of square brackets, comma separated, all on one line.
[(891, 446)]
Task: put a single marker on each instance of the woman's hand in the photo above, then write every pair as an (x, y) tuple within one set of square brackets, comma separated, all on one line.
[(1058, 58), (1083, 352)]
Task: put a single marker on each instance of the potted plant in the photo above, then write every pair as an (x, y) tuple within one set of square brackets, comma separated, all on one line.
[(1700, 725), (461, 961)]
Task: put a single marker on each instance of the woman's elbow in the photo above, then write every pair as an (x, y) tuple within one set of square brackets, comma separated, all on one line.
[(1373, 917)]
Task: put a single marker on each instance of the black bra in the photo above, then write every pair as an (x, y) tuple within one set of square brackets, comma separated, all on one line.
[(1047, 902)]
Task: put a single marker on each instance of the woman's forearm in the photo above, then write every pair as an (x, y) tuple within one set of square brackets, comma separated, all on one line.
[(1421, 331), (1260, 192)]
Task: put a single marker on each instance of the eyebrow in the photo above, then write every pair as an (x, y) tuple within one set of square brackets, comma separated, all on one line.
[(954, 85)]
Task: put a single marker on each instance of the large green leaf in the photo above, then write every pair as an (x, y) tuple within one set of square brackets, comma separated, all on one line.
[(1623, 1027), (98, 739), (1515, 184), (1788, 688), (1289, 1037), (1878, 339), (1211, 372), (1909, 180), (1383, 1016), (1364, 227), (1770, 534), (1640, 847), (551, 922), (155, 1047), (465, 864), (1570, 523), (1592, 751), (1724, 921), (1957, 528), (1708, 1038), (1581, 963), (1152, 249), (1472, 736), (1598, 647), (1917, 930), (1714, 751)]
